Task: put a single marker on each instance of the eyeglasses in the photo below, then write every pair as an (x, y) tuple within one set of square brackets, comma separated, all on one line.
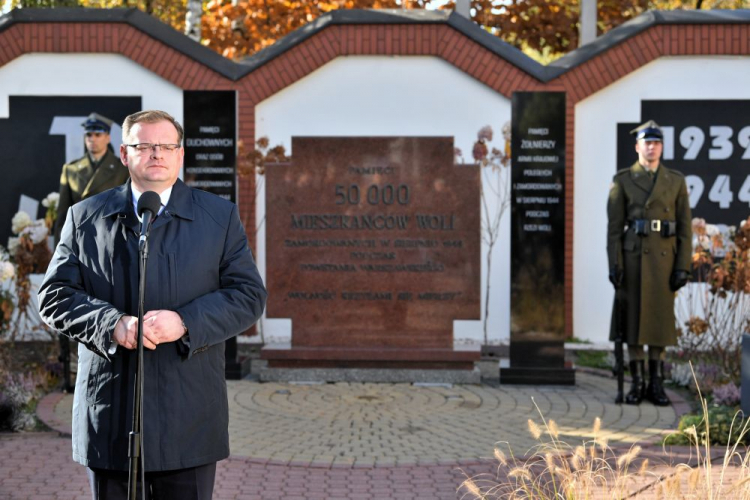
[(147, 146)]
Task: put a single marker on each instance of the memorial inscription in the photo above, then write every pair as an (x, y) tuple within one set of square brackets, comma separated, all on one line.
[(373, 243), (537, 240), (210, 141)]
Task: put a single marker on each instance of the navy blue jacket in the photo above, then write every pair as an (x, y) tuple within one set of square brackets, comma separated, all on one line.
[(200, 266)]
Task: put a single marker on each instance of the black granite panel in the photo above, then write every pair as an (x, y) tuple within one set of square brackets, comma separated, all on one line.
[(211, 141), (537, 238)]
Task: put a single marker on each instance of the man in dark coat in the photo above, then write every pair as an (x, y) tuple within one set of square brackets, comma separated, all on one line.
[(649, 246), (202, 288), (98, 170)]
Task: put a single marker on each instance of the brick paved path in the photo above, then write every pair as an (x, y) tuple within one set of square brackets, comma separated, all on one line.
[(356, 441), (38, 466)]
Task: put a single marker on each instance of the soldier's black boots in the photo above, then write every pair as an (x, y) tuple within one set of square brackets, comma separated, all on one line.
[(638, 384), (655, 392)]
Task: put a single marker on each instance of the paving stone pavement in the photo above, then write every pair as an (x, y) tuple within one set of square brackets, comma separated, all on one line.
[(399, 424), (355, 441)]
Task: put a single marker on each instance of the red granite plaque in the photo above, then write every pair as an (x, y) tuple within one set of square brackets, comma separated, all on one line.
[(373, 248)]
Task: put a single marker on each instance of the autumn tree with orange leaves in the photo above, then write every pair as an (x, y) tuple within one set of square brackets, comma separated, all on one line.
[(551, 26), (237, 28), (544, 29)]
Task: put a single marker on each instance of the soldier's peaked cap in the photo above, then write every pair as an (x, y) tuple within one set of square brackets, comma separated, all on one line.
[(97, 123), (649, 131)]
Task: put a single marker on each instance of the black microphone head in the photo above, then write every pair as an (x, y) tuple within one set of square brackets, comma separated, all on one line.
[(149, 201)]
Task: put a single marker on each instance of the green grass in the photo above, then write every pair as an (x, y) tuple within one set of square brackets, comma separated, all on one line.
[(576, 340), (593, 359)]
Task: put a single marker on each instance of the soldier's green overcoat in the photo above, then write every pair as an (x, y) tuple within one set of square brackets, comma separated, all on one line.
[(648, 261), (79, 180)]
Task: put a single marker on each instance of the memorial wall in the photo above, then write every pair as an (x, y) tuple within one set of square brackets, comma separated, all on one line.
[(421, 75)]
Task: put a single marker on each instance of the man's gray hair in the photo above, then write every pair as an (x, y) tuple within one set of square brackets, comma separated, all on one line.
[(150, 116)]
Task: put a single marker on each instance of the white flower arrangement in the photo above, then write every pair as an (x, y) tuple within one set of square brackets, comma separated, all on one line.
[(12, 245), (681, 374), (703, 241), (712, 230), (715, 238), (20, 221), (7, 271), (51, 200), (37, 231), (506, 131)]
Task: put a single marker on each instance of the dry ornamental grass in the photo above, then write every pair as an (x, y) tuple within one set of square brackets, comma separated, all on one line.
[(557, 471)]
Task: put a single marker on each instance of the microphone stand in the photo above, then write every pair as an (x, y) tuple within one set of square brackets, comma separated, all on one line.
[(135, 441)]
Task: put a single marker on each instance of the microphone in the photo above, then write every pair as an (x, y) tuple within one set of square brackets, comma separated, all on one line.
[(148, 206)]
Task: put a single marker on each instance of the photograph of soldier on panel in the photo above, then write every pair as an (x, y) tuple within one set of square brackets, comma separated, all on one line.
[(96, 171), (202, 288), (649, 251)]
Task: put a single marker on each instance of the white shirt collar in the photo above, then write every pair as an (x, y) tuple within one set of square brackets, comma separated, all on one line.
[(164, 199)]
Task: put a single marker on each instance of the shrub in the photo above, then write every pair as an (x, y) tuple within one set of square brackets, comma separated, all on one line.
[(727, 395), (19, 394), (724, 427), (713, 311)]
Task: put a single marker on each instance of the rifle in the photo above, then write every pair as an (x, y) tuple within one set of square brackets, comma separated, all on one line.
[(619, 368)]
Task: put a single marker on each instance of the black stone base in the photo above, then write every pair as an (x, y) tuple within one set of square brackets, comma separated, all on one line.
[(538, 376), (237, 370)]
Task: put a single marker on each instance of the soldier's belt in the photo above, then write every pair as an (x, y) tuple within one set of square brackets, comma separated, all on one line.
[(644, 227)]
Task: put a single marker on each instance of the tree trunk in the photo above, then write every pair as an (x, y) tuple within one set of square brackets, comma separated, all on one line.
[(193, 19)]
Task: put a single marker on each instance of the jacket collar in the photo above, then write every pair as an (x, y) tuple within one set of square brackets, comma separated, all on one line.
[(118, 202), (121, 201), (181, 201), (663, 180), (640, 176), (103, 172)]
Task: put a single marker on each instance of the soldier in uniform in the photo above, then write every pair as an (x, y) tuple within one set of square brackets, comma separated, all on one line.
[(98, 170), (649, 249)]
